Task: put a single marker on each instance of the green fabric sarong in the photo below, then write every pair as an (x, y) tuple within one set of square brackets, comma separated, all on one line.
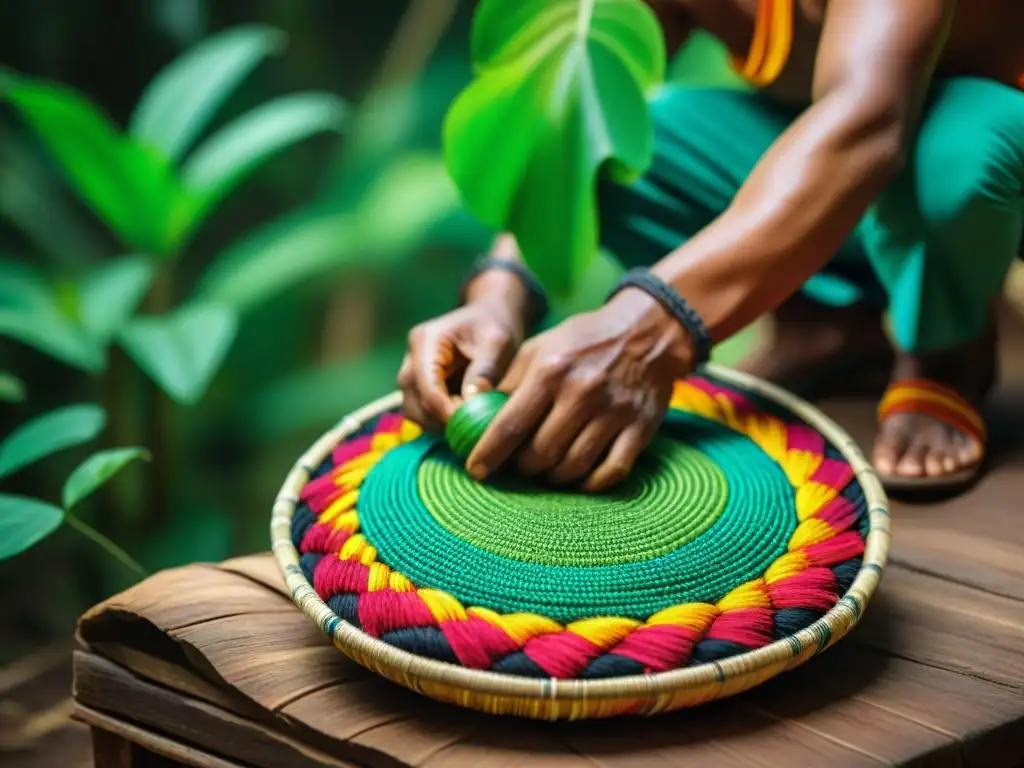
[(934, 248)]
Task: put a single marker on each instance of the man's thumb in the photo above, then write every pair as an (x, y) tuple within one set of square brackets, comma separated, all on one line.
[(484, 369)]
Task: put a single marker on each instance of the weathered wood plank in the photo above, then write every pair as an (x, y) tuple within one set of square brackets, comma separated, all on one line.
[(272, 659), (103, 686), (948, 626), (153, 742), (260, 568), (184, 596), (898, 710)]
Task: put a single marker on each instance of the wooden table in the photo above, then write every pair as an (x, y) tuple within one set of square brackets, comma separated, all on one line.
[(213, 666)]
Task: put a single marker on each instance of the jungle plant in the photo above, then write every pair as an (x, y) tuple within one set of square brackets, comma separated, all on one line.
[(152, 185), (560, 86)]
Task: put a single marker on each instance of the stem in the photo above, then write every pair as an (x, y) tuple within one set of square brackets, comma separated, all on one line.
[(106, 544), (118, 393), (419, 31), (158, 417)]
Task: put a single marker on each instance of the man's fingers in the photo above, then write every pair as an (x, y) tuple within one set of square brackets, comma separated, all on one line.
[(490, 358), (621, 458), (412, 408), (514, 423), (548, 446), (434, 361), (517, 369), (587, 449)]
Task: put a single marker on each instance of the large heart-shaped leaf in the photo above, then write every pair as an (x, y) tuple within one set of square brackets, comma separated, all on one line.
[(559, 92), (96, 470), (109, 294), (130, 188), (182, 351), (24, 522), (179, 102), (240, 147), (49, 433)]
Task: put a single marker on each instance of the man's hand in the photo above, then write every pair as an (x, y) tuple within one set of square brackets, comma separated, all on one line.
[(477, 340), (588, 395)]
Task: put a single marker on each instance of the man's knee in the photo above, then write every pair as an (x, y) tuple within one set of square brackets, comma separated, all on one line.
[(968, 160)]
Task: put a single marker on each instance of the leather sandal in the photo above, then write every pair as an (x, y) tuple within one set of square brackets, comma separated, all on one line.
[(946, 405)]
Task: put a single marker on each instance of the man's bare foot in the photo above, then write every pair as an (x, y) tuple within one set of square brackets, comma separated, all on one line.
[(918, 446), (816, 350)]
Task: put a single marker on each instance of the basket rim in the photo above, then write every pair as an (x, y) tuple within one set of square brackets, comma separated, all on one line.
[(821, 634)]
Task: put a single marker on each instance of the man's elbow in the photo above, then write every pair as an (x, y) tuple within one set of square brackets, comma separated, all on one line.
[(890, 154), (878, 130)]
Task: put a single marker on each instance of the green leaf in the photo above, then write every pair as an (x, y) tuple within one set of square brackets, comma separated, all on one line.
[(277, 256), (46, 329), (130, 188), (182, 351), (559, 94), (32, 200), (240, 147), (23, 286), (110, 294), (406, 202), (96, 470), (180, 101), (12, 389), (50, 433), (24, 522)]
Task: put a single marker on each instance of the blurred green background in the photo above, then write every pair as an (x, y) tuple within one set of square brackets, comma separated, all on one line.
[(323, 258)]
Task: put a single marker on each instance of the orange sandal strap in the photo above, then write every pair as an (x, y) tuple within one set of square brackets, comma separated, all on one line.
[(929, 398)]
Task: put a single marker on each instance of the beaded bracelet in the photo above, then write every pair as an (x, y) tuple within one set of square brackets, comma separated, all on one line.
[(676, 305), (537, 300)]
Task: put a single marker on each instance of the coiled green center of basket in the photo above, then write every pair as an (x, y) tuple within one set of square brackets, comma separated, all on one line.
[(673, 496), (705, 511)]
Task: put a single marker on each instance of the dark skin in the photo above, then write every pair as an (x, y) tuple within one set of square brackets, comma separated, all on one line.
[(588, 395)]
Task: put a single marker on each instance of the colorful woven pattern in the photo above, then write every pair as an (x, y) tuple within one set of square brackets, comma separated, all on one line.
[(739, 527), (930, 398)]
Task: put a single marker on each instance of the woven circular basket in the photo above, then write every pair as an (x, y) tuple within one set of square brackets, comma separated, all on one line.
[(750, 536)]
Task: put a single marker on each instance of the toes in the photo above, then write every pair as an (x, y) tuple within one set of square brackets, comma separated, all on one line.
[(889, 448), (913, 462), (950, 463), (969, 452), (935, 460)]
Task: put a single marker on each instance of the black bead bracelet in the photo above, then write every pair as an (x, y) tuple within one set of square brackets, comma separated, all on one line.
[(537, 299), (675, 304)]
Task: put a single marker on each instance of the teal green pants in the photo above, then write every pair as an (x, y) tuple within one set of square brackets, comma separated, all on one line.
[(934, 248)]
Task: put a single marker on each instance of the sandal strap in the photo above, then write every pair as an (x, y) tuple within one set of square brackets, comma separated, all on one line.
[(929, 398)]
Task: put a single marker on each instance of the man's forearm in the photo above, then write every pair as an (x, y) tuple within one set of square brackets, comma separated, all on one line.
[(794, 212)]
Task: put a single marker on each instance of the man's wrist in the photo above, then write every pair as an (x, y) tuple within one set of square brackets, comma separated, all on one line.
[(675, 306), (508, 283), (645, 320)]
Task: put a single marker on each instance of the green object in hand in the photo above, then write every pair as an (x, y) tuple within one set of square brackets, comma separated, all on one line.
[(471, 419)]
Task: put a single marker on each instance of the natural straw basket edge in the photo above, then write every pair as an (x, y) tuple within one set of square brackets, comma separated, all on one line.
[(575, 699)]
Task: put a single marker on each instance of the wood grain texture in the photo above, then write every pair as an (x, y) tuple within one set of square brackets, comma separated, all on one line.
[(933, 676), (107, 687)]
